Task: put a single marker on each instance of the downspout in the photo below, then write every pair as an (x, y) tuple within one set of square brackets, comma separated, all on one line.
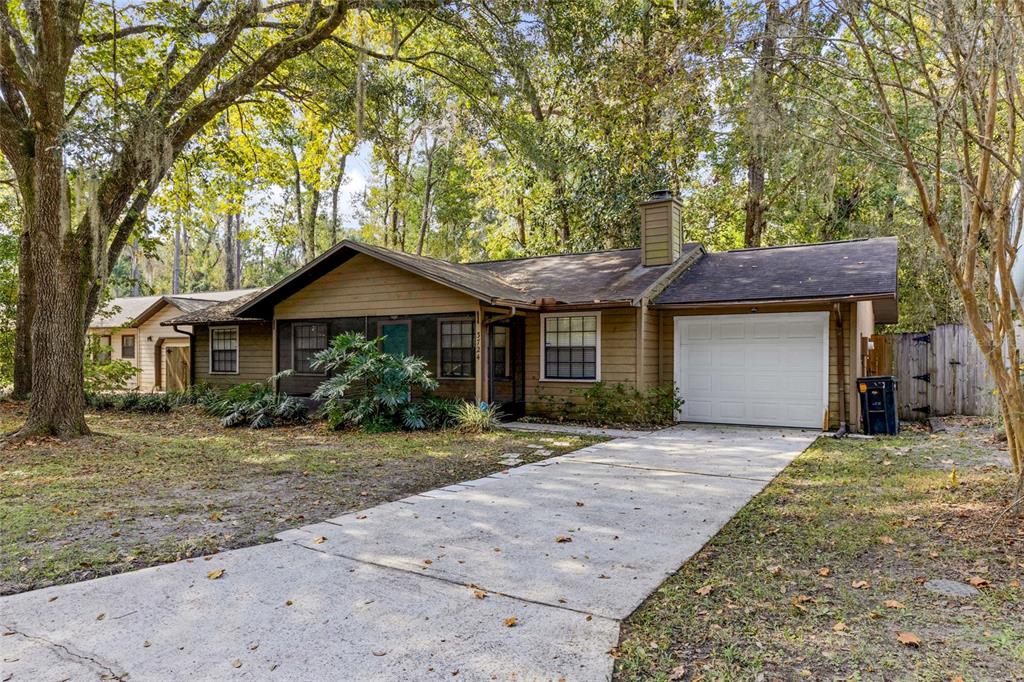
[(841, 372), (191, 354)]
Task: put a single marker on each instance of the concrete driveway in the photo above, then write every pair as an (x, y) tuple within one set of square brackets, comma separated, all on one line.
[(522, 575)]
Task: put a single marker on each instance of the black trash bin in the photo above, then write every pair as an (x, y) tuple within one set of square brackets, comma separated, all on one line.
[(878, 405)]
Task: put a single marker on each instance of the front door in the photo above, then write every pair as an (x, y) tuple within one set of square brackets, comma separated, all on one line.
[(395, 339), (507, 350)]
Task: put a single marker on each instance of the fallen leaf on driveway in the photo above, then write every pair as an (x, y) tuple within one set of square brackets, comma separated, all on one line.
[(908, 639), (360, 518), (101, 616), (511, 622), (824, 571), (579, 504), (319, 540), (860, 584), (978, 581), (479, 594), (213, 575), (893, 604), (563, 538), (236, 663), (380, 653), (704, 591)]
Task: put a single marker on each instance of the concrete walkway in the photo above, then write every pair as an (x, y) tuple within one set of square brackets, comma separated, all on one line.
[(522, 575)]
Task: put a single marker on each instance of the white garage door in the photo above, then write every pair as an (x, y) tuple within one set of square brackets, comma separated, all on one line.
[(758, 368)]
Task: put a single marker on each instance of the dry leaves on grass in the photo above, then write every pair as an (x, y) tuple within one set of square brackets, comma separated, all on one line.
[(775, 570), (908, 639), (860, 584), (886, 540), (840, 627), (824, 571), (894, 604), (704, 591), (978, 581)]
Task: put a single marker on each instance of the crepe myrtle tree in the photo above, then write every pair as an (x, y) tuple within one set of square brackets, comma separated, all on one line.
[(97, 100)]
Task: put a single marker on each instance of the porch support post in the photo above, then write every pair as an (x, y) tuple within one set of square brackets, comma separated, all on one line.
[(480, 343)]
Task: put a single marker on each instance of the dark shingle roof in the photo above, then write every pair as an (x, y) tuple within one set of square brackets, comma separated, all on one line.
[(615, 275), (860, 268), (128, 311), (223, 311)]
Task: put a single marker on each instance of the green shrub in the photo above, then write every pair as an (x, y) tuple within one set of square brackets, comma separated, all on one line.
[(368, 387), (621, 404), (439, 413), (256, 404), (475, 418), (110, 375)]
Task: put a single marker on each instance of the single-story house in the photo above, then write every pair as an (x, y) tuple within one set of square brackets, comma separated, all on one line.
[(769, 336), (132, 327)]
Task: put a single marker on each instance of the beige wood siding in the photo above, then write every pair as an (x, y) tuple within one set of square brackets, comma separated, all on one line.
[(255, 355), (660, 233), (618, 363), (367, 286), (667, 342), (149, 334), (650, 333)]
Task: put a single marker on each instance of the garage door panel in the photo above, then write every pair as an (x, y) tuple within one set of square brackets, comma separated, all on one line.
[(699, 331), (753, 368), (732, 330), (731, 357), (731, 409)]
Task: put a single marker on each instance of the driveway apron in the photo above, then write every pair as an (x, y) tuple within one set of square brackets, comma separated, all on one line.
[(524, 575)]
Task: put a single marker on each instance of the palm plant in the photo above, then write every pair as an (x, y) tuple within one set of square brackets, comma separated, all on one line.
[(368, 387)]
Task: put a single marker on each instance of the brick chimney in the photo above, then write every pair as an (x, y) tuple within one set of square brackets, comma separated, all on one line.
[(661, 228)]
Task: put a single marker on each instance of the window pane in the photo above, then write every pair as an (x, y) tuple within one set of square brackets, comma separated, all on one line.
[(224, 350), (570, 347), (457, 352)]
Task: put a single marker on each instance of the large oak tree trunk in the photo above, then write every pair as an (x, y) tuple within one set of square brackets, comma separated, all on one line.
[(62, 282)]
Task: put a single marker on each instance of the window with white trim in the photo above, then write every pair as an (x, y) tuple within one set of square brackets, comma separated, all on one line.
[(571, 347), (224, 350), (457, 352)]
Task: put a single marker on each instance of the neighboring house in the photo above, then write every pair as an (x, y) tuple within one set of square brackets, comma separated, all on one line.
[(755, 336), (133, 328)]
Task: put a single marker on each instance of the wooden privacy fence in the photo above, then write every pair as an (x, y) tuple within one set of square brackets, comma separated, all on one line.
[(940, 372)]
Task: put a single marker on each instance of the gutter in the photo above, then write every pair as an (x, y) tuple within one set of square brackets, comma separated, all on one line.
[(780, 301), (191, 353)]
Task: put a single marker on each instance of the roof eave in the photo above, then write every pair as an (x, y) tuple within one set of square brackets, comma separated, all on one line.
[(850, 298)]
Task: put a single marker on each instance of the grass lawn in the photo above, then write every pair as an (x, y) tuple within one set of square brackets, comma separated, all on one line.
[(816, 577), (147, 489)]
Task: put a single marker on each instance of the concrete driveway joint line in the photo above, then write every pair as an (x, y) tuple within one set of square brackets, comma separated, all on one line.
[(525, 573)]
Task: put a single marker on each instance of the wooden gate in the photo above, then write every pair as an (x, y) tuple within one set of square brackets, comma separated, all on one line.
[(177, 368), (940, 372)]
